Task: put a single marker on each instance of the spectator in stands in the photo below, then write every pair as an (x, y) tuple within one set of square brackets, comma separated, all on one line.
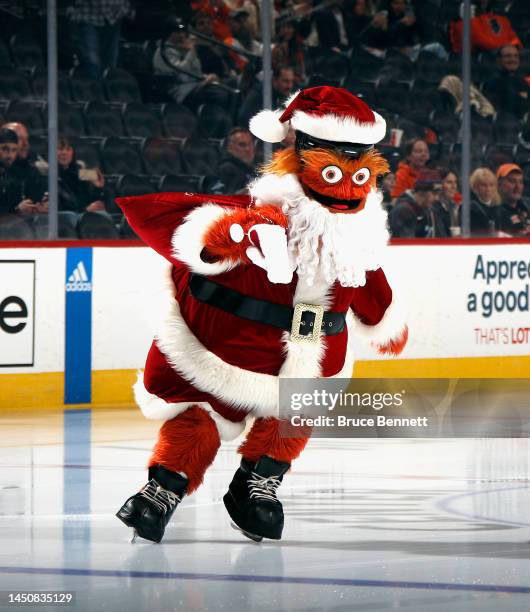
[(412, 215), (283, 81), (445, 209), (98, 25), (513, 213), (451, 85), (324, 26), (447, 205), (12, 197), (236, 167), (28, 168), (357, 16), (287, 49), (176, 56), (252, 7), (242, 37), (77, 195), (214, 59), (508, 89), (414, 167), (484, 202), (488, 31), (396, 27), (392, 27), (387, 186), (219, 14)]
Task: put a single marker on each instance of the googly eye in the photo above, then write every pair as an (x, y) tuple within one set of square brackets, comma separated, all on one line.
[(332, 174), (361, 176)]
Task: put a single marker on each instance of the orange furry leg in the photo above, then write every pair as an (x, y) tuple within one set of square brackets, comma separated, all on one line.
[(268, 437), (188, 443)]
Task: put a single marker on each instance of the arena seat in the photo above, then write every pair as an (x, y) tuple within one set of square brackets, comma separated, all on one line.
[(120, 157), (14, 228), (522, 157), (364, 65), (5, 56), (103, 119), (318, 80), (39, 83), (121, 86), (482, 130), (25, 50), (331, 64), (507, 128), (71, 120), (445, 124), (398, 67), (422, 103), (495, 155), (14, 85), (66, 227), (394, 96), (28, 113), (178, 121), (133, 184), (87, 151), (39, 145), (134, 58), (391, 154), (192, 183), (214, 121), (84, 87), (411, 129), (200, 157), (161, 156), (364, 89), (431, 68), (141, 122), (93, 225)]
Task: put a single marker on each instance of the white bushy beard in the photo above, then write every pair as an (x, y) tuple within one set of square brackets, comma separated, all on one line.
[(340, 247)]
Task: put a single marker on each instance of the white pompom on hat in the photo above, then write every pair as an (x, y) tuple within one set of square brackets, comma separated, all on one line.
[(328, 113)]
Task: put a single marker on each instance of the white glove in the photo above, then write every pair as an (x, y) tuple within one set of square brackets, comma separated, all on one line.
[(272, 254)]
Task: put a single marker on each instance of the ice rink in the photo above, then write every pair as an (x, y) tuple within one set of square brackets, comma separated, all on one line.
[(375, 524)]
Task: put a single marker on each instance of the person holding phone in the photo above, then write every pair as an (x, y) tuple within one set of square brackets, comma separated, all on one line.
[(75, 194), (12, 197)]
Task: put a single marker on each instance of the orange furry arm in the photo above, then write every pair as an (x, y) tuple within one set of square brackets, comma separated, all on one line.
[(219, 244)]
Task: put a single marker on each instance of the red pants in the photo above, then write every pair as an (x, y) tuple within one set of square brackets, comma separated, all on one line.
[(189, 442)]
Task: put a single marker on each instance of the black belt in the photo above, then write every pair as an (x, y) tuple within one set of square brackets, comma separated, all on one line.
[(301, 321)]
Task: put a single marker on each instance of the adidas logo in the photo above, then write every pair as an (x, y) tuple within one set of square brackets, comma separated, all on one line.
[(78, 280)]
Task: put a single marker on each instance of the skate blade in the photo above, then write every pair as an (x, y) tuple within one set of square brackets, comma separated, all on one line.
[(250, 536), (134, 536)]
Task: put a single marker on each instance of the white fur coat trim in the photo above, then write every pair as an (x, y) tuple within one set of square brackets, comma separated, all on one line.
[(155, 408), (275, 189), (242, 389), (188, 240), (389, 328)]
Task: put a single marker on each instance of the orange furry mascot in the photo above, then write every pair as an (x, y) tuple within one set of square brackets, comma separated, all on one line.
[(277, 284)]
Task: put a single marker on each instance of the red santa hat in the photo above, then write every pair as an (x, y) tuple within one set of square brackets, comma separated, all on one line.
[(328, 113)]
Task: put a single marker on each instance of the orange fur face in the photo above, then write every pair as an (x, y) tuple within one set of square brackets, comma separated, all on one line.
[(339, 183)]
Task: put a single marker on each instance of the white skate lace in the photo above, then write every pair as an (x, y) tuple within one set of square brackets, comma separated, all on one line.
[(162, 498), (263, 487)]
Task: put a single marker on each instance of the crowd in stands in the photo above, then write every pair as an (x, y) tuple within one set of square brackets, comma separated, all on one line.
[(157, 97)]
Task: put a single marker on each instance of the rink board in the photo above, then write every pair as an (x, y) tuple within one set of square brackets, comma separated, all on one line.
[(76, 319)]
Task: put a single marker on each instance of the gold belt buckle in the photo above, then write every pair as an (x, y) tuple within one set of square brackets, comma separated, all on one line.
[(299, 309)]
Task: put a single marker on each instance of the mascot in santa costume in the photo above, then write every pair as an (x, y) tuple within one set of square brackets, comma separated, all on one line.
[(277, 284)]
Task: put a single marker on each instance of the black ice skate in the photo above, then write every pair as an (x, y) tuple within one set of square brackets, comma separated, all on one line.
[(148, 512), (251, 499)]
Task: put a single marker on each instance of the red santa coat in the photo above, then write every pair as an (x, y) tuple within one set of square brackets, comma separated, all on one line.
[(228, 365)]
